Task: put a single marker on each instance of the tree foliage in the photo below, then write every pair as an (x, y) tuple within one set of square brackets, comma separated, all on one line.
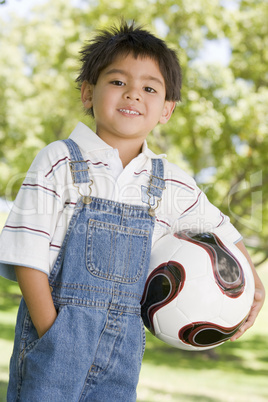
[(218, 132)]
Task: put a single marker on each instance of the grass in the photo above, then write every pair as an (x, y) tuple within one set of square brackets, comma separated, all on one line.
[(233, 372), (9, 301)]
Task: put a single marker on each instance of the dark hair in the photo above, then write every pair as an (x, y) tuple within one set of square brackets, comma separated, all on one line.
[(108, 44)]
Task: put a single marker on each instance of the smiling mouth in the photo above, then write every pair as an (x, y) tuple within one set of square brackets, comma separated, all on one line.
[(130, 112)]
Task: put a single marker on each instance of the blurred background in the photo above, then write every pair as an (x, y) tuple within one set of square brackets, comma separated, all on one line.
[(218, 134)]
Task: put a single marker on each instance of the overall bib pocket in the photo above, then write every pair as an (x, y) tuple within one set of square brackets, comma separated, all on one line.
[(116, 252)]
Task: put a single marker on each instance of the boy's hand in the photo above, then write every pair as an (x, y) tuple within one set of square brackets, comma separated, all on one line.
[(255, 309), (35, 289), (259, 296)]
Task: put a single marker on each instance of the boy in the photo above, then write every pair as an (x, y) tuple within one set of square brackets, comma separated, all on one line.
[(80, 233)]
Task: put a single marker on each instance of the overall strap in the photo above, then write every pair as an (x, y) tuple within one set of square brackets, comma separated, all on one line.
[(79, 170), (156, 185), (79, 167)]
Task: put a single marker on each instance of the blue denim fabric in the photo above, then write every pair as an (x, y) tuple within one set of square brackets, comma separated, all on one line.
[(93, 351)]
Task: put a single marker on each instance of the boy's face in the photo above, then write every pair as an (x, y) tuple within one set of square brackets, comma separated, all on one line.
[(128, 100)]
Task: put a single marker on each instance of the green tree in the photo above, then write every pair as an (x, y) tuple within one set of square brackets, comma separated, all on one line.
[(221, 127)]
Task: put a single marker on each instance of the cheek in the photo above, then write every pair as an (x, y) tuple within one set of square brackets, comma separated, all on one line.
[(104, 100), (98, 103), (159, 110)]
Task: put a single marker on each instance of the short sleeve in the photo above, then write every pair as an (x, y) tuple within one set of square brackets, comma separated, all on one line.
[(27, 234), (190, 208)]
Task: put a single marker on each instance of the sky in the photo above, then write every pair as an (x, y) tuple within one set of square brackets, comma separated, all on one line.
[(21, 7)]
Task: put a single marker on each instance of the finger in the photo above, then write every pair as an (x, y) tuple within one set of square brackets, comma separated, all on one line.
[(256, 307), (239, 333), (248, 324), (258, 295)]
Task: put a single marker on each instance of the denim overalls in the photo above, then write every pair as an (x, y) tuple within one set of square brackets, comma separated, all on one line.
[(93, 351)]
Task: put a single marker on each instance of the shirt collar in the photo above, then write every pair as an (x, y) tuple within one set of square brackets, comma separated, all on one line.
[(89, 141), (150, 154)]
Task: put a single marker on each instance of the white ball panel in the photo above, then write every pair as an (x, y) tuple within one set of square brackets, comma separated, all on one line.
[(200, 299), (171, 320), (156, 325), (250, 284), (196, 264), (164, 249), (235, 310)]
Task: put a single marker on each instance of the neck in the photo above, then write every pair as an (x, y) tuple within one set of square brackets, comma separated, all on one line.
[(128, 149)]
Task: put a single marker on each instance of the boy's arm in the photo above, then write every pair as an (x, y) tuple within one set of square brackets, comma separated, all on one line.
[(258, 297), (35, 289)]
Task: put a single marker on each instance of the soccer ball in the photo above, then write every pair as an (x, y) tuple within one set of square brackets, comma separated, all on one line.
[(199, 290)]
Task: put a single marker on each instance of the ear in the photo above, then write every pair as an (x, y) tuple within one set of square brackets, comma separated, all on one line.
[(86, 94), (167, 111)]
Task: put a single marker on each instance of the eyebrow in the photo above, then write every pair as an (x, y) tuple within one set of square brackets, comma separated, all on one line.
[(143, 77)]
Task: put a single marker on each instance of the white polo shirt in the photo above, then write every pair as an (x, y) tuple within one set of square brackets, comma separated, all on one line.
[(37, 223)]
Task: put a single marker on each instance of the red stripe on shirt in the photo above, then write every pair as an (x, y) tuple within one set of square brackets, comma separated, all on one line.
[(97, 163), (38, 185), (222, 219), (60, 160), (141, 172), (192, 204), (26, 227), (158, 220), (180, 182), (54, 245)]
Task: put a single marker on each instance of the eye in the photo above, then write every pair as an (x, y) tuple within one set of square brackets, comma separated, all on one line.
[(150, 90), (117, 83)]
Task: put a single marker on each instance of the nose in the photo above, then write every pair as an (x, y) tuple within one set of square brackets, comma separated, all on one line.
[(133, 93)]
